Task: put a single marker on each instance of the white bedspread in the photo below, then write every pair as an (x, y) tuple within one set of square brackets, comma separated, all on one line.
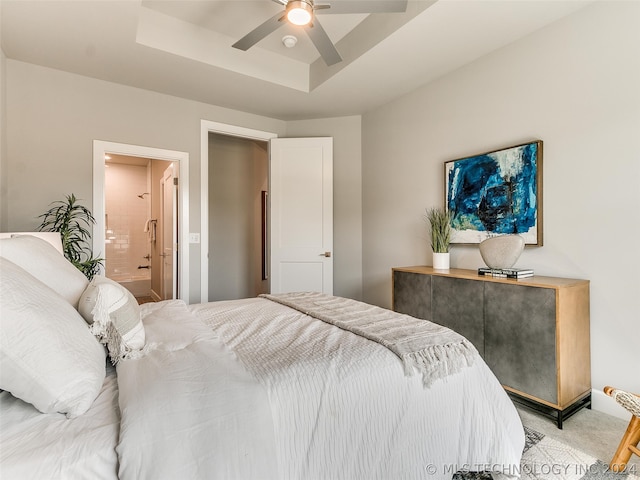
[(343, 409), (41, 446), (426, 348), (189, 409), (251, 389)]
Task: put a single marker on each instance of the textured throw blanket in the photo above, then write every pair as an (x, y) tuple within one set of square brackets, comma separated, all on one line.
[(430, 349)]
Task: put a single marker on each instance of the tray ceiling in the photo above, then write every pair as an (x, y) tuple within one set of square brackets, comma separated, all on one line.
[(183, 48)]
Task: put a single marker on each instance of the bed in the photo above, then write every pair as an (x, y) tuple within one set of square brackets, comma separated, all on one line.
[(295, 386)]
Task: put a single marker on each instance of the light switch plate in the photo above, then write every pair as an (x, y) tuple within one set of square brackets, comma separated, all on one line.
[(194, 238)]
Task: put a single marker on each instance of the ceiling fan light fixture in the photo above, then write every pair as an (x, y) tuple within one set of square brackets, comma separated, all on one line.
[(299, 12)]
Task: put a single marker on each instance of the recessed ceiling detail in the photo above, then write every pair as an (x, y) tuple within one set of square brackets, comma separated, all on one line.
[(191, 29), (176, 36), (184, 49), (303, 14)]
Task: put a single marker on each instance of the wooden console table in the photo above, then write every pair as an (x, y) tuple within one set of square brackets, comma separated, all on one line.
[(532, 332)]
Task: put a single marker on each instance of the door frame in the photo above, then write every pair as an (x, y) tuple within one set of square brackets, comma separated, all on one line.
[(207, 127), (174, 226), (100, 149)]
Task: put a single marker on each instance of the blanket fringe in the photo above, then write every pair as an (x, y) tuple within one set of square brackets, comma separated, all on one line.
[(439, 361), (107, 334), (430, 349), (103, 329), (136, 354)]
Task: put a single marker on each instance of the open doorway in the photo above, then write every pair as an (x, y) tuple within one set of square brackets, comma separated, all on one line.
[(238, 176), (206, 128), (180, 192), (299, 210), (136, 241)]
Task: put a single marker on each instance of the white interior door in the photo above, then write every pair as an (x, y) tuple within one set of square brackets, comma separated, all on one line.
[(168, 235), (301, 220)]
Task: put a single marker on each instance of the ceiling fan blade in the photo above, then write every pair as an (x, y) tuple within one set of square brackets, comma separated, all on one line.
[(323, 43), (258, 33), (366, 6), (281, 2)]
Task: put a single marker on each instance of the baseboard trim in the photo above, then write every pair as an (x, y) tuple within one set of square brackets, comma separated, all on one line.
[(601, 402), (155, 296)]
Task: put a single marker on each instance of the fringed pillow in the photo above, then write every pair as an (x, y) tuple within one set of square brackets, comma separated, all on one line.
[(114, 316)]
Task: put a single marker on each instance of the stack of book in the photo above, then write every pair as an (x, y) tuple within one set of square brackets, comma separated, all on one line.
[(506, 272)]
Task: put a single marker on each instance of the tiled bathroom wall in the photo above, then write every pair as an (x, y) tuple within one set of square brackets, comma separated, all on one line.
[(126, 242)]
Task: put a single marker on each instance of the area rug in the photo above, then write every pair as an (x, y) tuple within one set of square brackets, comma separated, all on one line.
[(546, 458)]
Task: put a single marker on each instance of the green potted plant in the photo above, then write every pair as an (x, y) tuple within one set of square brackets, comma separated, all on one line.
[(440, 230), (73, 220)]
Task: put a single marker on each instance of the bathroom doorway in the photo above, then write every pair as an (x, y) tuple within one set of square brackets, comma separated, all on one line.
[(180, 161), (134, 225)]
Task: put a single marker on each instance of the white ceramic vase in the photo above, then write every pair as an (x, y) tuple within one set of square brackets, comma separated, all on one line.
[(502, 251), (441, 261)]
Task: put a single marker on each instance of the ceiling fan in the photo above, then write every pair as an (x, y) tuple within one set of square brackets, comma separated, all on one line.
[(303, 12)]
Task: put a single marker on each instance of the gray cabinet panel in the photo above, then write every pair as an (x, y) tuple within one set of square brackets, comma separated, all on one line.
[(412, 294), (458, 304), (533, 332), (520, 338)]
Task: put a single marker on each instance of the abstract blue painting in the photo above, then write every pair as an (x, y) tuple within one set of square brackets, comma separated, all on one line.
[(496, 193)]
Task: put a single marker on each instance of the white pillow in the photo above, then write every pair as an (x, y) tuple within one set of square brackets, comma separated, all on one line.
[(114, 316), (43, 261), (54, 238), (48, 357)]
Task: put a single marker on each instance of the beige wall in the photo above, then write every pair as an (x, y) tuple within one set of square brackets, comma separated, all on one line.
[(574, 85), (53, 118)]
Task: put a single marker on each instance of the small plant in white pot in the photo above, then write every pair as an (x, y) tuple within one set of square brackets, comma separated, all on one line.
[(440, 229)]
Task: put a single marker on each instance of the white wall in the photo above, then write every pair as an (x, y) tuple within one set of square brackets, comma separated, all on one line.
[(347, 196), (575, 85)]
